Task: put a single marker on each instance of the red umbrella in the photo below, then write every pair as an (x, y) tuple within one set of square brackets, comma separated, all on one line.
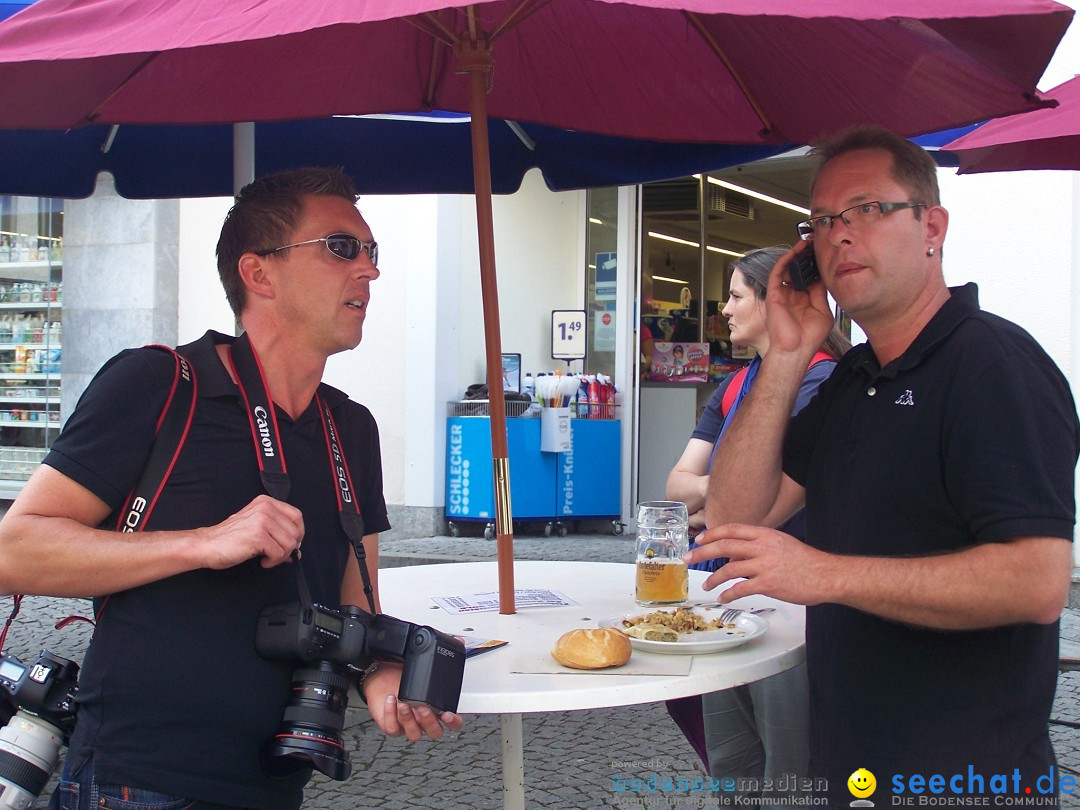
[(1043, 139), (737, 71)]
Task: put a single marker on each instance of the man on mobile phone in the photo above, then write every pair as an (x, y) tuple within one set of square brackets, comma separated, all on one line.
[(936, 467)]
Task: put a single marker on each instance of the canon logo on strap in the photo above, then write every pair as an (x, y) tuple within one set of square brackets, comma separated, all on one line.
[(261, 421)]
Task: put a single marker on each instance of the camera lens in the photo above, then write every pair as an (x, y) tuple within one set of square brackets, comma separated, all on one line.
[(310, 731), (29, 752)]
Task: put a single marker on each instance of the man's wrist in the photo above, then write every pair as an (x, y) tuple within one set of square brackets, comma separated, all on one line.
[(371, 669)]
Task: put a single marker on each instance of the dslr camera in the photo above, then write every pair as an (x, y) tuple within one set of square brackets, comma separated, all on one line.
[(30, 742), (332, 644)]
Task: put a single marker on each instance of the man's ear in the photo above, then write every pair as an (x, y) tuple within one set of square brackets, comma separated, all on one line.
[(937, 224), (252, 269)]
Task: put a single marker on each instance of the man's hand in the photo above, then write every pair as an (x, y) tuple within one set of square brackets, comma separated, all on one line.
[(772, 562), (396, 718), (266, 528), (795, 318)]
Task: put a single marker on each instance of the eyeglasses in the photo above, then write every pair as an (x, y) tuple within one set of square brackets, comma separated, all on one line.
[(858, 216), (343, 245)]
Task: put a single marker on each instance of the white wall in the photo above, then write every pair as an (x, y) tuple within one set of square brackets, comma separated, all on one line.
[(1014, 234), (539, 260), (398, 371), (202, 303)]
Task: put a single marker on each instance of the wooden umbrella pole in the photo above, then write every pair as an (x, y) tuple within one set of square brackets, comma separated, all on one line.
[(475, 59)]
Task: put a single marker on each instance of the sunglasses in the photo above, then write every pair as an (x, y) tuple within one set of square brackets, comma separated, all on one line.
[(343, 245)]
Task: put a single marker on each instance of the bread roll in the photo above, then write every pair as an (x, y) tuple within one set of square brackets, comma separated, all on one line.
[(592, 649)]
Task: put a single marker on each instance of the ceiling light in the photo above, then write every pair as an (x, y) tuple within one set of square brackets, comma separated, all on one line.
[(726, 252), (757, 195), (672, 280), (596, 221), (675, 239)]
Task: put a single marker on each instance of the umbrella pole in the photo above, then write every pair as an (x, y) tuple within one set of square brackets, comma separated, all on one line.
[(477, 70)]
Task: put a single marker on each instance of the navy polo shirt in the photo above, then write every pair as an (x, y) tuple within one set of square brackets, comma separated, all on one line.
[(970, 436)]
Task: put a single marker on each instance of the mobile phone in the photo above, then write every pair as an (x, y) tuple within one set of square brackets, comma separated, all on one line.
[(803, 269)]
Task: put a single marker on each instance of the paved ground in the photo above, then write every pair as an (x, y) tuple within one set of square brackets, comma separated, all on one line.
[(570, 756)]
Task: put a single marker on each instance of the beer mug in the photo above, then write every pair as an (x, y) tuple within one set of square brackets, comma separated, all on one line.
[(661, 543)]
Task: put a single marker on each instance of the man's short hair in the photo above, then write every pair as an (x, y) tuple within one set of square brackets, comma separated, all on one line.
[(912, 167), (265, 215)]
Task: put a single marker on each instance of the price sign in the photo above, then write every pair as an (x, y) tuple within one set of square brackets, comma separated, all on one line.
[(568, 334)]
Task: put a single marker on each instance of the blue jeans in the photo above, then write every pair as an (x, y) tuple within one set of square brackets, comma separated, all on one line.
[(79, 790)]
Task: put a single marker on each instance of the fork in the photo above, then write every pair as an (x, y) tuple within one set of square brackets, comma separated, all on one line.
[(730, 614)]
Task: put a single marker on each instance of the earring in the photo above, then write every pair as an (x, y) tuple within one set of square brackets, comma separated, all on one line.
[(930, 251)]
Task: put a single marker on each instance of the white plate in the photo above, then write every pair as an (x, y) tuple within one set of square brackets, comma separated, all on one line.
[(747, 627)]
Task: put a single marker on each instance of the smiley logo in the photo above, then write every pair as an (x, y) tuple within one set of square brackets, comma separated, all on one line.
[(861, 783)]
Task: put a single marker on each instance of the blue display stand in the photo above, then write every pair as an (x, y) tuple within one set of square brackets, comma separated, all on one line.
[(555, 488), (590, 474)]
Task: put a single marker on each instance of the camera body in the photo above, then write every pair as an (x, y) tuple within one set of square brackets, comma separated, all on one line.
[(30, 742), (45, 689), (434, 663), (803, 269), (331, 643)]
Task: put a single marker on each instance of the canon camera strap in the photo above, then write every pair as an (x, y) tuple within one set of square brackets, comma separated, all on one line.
[(259, 407), (170, 433)]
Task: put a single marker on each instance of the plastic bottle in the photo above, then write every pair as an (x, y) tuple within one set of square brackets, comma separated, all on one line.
[(594, 398), (583, 397), (607, 396)]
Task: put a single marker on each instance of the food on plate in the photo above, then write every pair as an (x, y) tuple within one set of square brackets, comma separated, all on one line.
[(652, 632), (595, 648), (675, 623)]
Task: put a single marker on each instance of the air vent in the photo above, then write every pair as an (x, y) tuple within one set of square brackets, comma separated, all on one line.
[(723, 201), (668, 196)]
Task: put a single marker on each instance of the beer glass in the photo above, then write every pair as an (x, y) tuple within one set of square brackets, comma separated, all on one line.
[(661, 543)]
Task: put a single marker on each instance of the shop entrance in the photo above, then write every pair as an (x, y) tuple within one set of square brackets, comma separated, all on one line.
[(691, 229)]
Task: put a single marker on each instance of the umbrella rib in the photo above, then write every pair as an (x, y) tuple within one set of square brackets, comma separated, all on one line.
[(525, 10), (716, 49), (93, 116), (470, 15), (431, 25), (436, 28), (433, 74)]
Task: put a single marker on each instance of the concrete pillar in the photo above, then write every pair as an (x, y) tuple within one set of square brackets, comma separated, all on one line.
[(120, 280)]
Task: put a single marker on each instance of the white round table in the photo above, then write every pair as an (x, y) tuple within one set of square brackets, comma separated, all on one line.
[(601, 590)]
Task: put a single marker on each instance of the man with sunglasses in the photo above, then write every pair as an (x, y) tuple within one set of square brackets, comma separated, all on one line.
[(936, 467), (176, 705)]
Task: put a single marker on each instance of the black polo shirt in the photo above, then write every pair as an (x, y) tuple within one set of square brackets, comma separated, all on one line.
[(971, 436), (173, 696)]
